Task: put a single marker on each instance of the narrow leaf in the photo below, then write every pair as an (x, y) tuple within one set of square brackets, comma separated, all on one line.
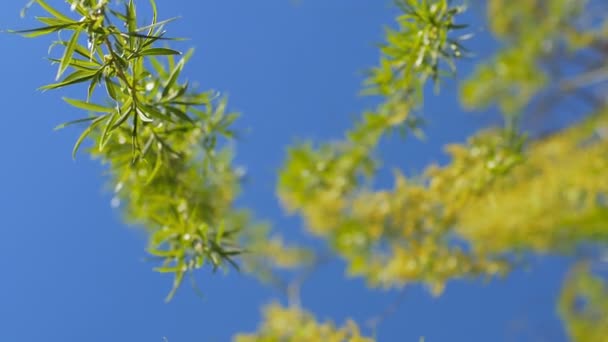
[(158, 52), (94, 82), (107, 131), (143, 115), (88, 106), (79, 64), (112, 89), (74, 122), (157, 165), (126, 112), (173, 78), (139, 35), (154, 15), (40, 31), (179, 113), (86, 133), (52, 21), (159, 24), (76, 77), (53, 11), (69, 51), (131, 21)]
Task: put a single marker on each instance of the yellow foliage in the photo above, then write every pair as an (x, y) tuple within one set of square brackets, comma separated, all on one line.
[(551, 202), (584, 306), (465, 218), (295, 325)]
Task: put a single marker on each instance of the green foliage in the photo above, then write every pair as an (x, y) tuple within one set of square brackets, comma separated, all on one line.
[(366, 227), (158, 135), (532, 32), (295, 325), (506, 193), (584, 305)]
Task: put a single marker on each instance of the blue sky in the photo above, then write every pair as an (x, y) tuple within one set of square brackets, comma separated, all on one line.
[(72, 271)]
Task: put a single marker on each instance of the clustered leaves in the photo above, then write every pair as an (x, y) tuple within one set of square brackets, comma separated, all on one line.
[(159, 136), (552, 202), (498, 198), (373, 229), (584, 305), (532, 33), (269, 253), (295, 325), (424, 46)]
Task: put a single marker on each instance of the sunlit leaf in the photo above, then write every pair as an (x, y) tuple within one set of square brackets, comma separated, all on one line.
[(88, 106), (57, 14), (69, 51), (74, 122), (158, 52), (78, 76), (86, 133)]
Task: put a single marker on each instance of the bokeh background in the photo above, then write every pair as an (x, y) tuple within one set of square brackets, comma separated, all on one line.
[(72, 271)]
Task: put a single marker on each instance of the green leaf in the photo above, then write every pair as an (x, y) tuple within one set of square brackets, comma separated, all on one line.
[(159, 24), (132, 16), (74, 122), (40, 31), (86, 133), (113, 89), (158, 67), (173, 78), (126, 110), (229, 119), (154, 112), (52, 21), (167, 269), (140, 35), (220, 233), (157, 164), (53, 11), (77, 6), (88, 106), (107, 131), (68, 53), (94, 82), (164, 254), (79, 64), (131, 21), (119, 15), (78, 76), (177, 281), (154, 15), (82, 51), (158, 52), (143, 116), (179, 113)]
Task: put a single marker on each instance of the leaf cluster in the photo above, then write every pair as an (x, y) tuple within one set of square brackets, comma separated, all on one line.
[(160, 137), (295, 325)]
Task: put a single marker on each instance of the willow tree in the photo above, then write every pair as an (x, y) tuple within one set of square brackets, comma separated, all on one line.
[(511, 191)]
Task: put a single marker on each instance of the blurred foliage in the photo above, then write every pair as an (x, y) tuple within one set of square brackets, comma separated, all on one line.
[(502, 195), (294, 325), (584, 305), (268, 253), (552, 202), (390, 237), (159, 136), (509, 192), (535, 36), (514, 75)]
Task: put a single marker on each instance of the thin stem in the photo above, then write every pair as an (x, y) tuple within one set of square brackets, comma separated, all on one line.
[(388, 311)]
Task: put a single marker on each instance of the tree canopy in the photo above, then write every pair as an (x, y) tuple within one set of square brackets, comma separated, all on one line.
[(511, 192)]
